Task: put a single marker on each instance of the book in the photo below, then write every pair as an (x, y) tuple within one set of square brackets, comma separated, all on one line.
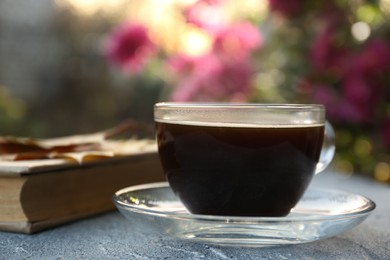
[(47, 183)]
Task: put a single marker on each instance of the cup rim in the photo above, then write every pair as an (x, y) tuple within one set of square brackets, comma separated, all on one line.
[(240, 114), (221, 105)]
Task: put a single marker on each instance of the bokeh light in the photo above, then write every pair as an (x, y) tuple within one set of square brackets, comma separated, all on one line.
[(361, 31)]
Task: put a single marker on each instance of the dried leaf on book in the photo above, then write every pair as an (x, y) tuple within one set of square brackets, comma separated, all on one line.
[(77, 148)]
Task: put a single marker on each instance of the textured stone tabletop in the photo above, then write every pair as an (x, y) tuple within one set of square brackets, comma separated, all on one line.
[(110, 236)]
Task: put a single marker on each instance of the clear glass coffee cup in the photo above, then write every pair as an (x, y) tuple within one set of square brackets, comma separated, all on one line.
[(242, 159)]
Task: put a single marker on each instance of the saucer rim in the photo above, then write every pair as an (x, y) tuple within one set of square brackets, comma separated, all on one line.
[(370, 206)]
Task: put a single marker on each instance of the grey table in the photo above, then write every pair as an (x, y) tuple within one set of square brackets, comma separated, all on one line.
[(110, 236)]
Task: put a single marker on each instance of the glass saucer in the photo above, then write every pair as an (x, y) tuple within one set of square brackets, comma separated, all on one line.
[(321, 213)]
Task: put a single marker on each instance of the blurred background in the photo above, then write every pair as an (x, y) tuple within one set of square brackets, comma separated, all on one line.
[(80, 66)]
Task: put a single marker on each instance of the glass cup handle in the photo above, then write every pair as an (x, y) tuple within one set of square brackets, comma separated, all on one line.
[(328, 148)]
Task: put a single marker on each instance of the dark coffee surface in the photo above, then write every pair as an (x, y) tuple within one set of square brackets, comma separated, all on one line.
[(239, 171)]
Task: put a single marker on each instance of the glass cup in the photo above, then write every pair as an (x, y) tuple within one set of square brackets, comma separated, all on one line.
[(242, 159)]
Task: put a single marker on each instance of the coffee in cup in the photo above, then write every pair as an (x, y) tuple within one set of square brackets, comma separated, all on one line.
[(240, 159)]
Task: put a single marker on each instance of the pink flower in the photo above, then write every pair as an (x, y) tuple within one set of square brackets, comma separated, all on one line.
[(327, 54), (129, 47), (374, 58), (182, 65), (237, 40), (343, 108), (209, 78), (360, 83), (205, 13), (336, 108), (361, 97)]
